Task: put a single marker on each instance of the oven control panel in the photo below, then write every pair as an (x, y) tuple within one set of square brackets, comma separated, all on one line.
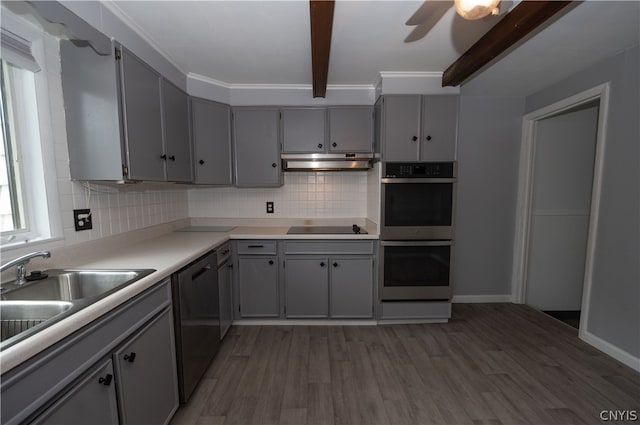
[(419, 170)]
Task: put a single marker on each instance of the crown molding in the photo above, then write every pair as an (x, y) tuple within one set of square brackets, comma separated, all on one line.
[(413, 83)]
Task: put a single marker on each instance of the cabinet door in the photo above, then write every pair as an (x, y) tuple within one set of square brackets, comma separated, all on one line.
[(142, 117), (226, 300), (351, 287), (177, 142), (401, 128), (303, 130), (258, 283), (146, 374), (439, 128), (212, 142), (257, 147), (306, 287), (90, 401), (351, 129)]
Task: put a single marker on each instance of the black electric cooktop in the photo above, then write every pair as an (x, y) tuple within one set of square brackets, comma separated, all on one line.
[(326, 230)]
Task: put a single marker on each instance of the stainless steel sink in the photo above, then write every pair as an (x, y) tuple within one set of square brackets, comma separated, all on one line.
[(20, 316), (31, 307), (69, 285)]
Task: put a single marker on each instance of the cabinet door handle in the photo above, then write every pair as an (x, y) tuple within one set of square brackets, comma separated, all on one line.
[(274, 165), (172, 157), (319, 145), (130, 357), (271, 262), (201, 162), (322, 264), (200, 272), (106, 381), (163, 156), (335, 264), (428, 137), (414, 138), (334, 144)]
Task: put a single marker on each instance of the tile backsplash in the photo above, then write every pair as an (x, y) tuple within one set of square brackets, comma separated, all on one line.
[(304, 194)]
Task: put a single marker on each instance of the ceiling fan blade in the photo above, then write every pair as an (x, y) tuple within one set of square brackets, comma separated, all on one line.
[(428, 8), (430, 21)]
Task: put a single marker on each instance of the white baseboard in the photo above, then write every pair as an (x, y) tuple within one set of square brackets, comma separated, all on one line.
[(505, 298), (610, 349), (303, 322)]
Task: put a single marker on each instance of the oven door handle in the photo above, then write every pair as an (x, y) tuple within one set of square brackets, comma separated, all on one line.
[(418, 180), (417, 243)]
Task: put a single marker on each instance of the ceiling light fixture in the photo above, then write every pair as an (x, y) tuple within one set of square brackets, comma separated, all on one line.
[(476, 9)]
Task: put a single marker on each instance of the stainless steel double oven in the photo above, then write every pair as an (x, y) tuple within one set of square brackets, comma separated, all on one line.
[(417, 230)]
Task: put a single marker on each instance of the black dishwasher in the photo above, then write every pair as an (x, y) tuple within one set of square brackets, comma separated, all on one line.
[(197, 320)]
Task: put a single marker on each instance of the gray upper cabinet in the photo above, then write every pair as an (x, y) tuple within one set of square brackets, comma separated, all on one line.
[(124, 121), (419, 128), (303, 130), (257, 147), (211, 124), (401, 128), (351, 129), (177, 143), (142, 118), (439, 128)]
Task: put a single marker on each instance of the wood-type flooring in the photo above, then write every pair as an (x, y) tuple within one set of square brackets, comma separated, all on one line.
[(491, 364)]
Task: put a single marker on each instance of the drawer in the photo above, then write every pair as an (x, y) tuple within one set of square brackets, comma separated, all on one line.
[(328, 247), (257, 247)]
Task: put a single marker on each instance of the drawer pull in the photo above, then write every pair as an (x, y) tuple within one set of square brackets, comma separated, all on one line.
[(106, 381), (256, 246)]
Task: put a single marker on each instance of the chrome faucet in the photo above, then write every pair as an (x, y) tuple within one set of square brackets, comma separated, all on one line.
[(21, 265)]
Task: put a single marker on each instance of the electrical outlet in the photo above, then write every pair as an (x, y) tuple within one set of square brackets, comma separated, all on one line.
[(269, 207), (82, 219)]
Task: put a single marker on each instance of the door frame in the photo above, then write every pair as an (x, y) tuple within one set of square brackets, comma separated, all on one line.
[(525, 191)]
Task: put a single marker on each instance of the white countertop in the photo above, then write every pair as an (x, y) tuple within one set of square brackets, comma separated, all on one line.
[(166, 254)]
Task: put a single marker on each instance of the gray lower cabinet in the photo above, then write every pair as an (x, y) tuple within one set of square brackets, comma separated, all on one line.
[(145, 374), (225, 284), (91, 377), (351, 287), (211, 132), (329, 279), (258, 286), (306, 287), (91, 401), (257, 147)]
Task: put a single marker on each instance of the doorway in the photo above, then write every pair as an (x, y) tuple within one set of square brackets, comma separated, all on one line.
[(559, 187)]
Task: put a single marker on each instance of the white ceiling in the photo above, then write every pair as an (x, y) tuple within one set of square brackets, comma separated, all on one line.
[(268, 42)]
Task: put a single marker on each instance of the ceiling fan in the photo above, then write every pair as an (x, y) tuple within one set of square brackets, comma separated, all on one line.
[(431, 11)]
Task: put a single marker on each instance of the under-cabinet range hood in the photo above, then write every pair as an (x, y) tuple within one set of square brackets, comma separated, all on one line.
[(327, 161)]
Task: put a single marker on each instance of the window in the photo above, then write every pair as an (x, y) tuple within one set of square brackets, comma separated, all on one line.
[(29, 210), (12, 218)]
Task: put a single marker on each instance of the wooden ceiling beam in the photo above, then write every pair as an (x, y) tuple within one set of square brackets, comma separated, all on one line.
[(321, 12), (515, 25)]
